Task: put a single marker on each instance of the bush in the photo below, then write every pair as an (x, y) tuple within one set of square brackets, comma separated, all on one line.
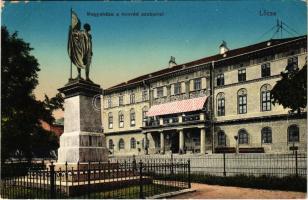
[(289, 183)]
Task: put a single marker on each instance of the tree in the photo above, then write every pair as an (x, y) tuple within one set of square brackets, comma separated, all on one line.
[(21, 131), (291, 90)]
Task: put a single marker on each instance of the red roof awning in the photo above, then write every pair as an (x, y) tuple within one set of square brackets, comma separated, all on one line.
[(182, 106)]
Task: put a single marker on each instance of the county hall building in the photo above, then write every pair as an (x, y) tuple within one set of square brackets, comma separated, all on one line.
[(220, 103)]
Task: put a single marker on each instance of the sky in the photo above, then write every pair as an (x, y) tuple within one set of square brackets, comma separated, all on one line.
[(125, 47)]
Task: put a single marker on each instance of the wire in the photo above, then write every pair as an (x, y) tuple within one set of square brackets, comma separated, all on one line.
[(267, 32), (290, 28)]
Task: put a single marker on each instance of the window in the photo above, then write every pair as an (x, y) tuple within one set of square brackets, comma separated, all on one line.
[(242, 137), (177, 88), (266, 97), (132, 98), (265, 70), (144, 95), (133, 143), (220, 104), (197, 84), (220, 80), (121, 100), (160, 92), (144, 113), (110, 144), (292, 63), (242, 101), (293, 133), (241, 75), (132, 117), (221, 137), (121, 120), (110, 120), (266, 135), (121, 144), (109, 102)]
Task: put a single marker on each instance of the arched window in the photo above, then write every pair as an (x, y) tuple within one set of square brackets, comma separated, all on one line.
[(242, 101), (121, 144), (221, 138), (293, 133), (132, 117), (121, 119), (144, 113), (221, 104), (266, 97), (242, 137), (266, 135), (133, 143), (110, 144), (110, 120)]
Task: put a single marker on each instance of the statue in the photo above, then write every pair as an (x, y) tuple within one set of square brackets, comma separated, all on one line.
[(80, 46)]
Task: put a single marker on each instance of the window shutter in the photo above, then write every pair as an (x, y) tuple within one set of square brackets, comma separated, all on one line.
[(155, 93), (183, 89), (203, 83), (191, 85), (164, 91), (172, 89)]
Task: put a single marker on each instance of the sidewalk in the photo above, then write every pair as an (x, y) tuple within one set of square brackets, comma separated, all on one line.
[(204, 191)]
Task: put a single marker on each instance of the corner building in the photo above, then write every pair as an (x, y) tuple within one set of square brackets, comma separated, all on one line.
[(216, 104)]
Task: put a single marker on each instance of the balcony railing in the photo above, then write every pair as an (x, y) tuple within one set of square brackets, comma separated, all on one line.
[(170, 120), (152, 123), (194, 117)]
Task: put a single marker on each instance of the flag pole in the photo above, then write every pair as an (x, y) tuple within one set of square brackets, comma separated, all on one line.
[(71, 49)]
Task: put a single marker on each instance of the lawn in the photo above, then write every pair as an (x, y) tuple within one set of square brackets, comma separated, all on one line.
[(129, 192)]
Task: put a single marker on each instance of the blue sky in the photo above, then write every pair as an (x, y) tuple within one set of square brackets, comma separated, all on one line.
[(125, 47)]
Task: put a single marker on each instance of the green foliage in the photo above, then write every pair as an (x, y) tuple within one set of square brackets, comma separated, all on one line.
[(291, 90), (21, 132), (288, 183)]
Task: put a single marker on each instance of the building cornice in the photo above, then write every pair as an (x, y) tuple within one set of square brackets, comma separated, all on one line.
[(303, 115), (123, 132)]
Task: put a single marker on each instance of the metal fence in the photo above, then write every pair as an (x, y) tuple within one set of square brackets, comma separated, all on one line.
[(119, 179), (256, 164)]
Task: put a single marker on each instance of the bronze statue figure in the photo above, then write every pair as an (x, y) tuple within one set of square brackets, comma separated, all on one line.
[(80, 46)]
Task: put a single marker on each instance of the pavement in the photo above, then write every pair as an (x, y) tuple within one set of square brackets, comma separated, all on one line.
[(204, 191)]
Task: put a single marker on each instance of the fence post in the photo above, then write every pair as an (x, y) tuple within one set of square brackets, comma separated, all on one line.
[(171, 163), (52, 181), (140, 181), (89, 179), (134, 165), (224, 157), (296, 163), (189, 181)]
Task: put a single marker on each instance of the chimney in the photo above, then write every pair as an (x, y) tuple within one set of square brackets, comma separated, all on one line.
[(223, 48), (172, 62)]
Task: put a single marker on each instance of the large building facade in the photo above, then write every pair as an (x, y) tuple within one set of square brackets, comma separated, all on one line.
[(219, 103)]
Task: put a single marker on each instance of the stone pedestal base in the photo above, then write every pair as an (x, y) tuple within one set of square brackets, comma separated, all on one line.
[(82, 147), (83, 140)]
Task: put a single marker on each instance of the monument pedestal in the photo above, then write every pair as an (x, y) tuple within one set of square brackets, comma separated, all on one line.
[(83, 139)]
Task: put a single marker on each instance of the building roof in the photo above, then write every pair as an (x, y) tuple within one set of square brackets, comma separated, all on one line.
[(216, 57), (187, 105)]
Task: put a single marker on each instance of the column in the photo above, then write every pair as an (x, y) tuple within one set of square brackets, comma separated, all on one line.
[(162, 143), (181, 138), (202, 140)]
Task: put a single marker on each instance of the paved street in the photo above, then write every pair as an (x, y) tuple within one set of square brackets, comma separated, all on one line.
[(204, 191)]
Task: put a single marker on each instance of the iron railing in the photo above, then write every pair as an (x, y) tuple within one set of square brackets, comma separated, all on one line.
[(256, 164), (120, 179)]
